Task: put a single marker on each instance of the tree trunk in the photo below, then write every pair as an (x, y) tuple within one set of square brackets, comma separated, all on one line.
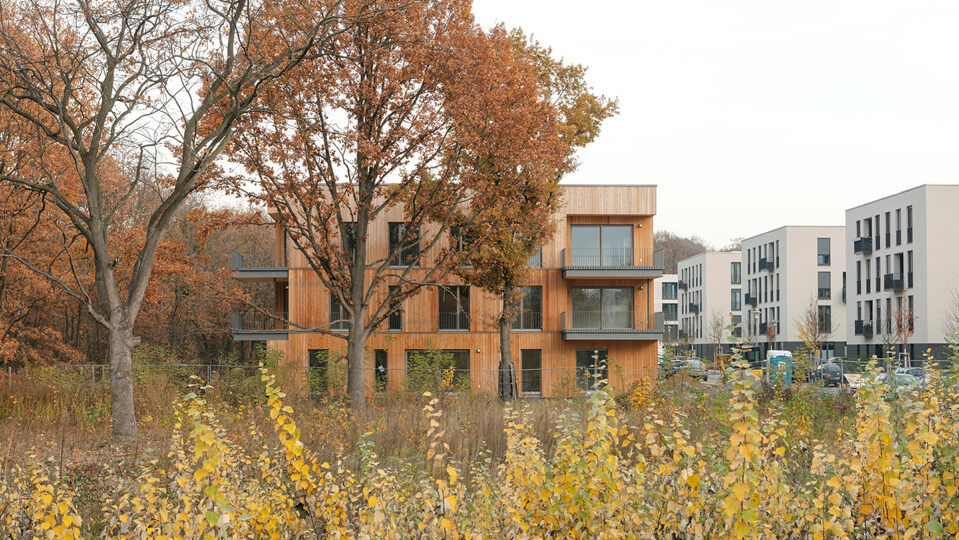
[(505, 346), (356, 364), (120, 354)]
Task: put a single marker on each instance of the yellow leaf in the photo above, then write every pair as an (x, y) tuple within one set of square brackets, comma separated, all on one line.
[(452, 472), (451, 501), (693, 481), (373, 500)]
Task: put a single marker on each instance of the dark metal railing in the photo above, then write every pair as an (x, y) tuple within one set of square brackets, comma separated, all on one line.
[(601, 320), (825, 293), (454, 320), (255, 321), (528, 320)]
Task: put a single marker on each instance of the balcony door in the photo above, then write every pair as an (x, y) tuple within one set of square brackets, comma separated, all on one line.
[(601, 245), (601, 307)]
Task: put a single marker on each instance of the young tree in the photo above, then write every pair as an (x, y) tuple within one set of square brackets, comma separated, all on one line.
[(420, 118), (950, 319), (716, 331), (904, 320), (814, 331), (148, 91), (527, 223)]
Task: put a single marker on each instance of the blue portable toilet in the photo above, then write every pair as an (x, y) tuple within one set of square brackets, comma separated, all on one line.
[(780, 367)]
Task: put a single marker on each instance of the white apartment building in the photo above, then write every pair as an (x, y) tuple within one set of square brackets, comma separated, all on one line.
[(666, 306), (903, 267), (709, 298), (788, 270)]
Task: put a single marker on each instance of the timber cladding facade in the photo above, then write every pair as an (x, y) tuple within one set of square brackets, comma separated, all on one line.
[(589, 299)]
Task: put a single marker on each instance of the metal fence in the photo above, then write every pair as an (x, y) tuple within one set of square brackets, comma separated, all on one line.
[(331, 379)]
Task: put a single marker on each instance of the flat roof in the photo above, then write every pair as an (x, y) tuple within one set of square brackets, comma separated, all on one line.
[(922, 186), (561, 184), (795, 227)]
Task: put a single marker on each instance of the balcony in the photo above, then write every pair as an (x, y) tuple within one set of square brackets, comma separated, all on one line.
[(606, 325), (858, 327), (683, 285), (762, 328), (843, 294), (528, 320), (258, 272), (863, 245), (867, 330), (613, 263), (891, 282), (751, 300), (256, 326), (766, 264), (693, 307)]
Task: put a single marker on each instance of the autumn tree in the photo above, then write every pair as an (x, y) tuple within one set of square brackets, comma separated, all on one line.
[(527, 221), (676, 248), (153, 88), (420, 118)]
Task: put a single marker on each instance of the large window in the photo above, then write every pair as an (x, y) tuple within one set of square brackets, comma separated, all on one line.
[(670, 312), (349, 237), (531, 364), (608, 307), (823, 251), (601, 245), (396, 312), (670, 290), (735, 273), (825, 319), (825, 286), (404, 244), (318, 371), (380, 370), (898, 226), (454, 307), (735, 300), (455, 359), (530, 316), (908, 224), (536, 259), (591, 368), (909, 269), (337, 315)]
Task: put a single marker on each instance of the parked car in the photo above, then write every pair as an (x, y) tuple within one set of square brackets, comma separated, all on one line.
[(917, 372), (829, 375), (899, 382), (695, 368)]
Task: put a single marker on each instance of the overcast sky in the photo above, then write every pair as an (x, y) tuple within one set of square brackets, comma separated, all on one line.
[(750, 115)]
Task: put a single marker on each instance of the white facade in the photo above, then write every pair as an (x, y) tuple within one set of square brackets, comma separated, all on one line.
[(785, 271), (709, 290), (666, 305), (903, 254)]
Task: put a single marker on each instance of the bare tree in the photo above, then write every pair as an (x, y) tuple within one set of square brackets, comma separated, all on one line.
[(904, 320), (716, 331), (155, 86), (950, 318)]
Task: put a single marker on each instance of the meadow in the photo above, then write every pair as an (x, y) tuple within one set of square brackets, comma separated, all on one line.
[(251, 457)]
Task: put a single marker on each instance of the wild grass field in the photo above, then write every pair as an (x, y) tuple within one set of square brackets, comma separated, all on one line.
[(241, 458)]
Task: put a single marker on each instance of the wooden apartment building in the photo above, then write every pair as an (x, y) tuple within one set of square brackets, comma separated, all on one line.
[(589, 298)]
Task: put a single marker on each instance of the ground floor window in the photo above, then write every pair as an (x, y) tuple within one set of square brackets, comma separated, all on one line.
[(318, 371), (380, 370), (425, 369), (591, 368), (531, 364)]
